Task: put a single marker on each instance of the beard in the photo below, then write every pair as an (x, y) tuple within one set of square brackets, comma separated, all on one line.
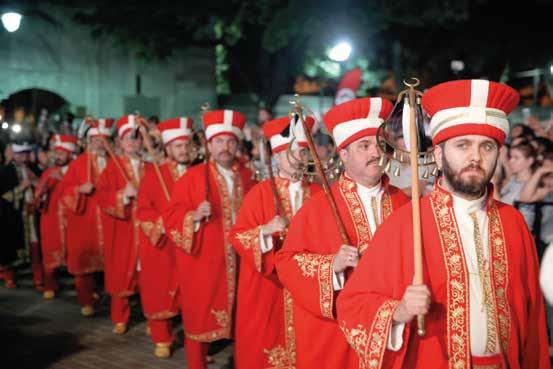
[(473, 186), (61, 163)]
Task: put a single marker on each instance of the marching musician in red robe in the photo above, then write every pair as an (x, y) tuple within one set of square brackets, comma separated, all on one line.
[(481, 296), (262, 220), (48, 195), (118, 188), (158, 281), (200, 215), (314, 263), (85, 221)]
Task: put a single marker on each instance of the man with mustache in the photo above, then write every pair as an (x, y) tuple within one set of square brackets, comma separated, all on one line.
[(481, 296), (48, 196), (198, 219), (314, 263), (158, 281)]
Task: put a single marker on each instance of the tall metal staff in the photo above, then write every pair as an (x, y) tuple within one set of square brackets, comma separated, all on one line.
[(142, 127), (409, 98), (204, 109), (297, 113)]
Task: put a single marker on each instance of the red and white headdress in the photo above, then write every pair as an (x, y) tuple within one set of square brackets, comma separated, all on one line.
[(126, 124), (64, 142), (469, 107), (176, 128), (101, 126), (356, 118), (281, 131), (217, 122)]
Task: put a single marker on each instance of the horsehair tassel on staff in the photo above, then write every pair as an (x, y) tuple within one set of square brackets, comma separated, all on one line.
[(116, 161), (205, 108), (324, 180), (415, 197), (148, 144), (269, 163)]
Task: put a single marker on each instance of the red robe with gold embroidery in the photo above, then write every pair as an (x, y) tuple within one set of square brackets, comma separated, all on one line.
[(52, 219), (262, 301), (85, 221), (158, 281), (121, 240), (366, 305), (305, 268), (206, 261)]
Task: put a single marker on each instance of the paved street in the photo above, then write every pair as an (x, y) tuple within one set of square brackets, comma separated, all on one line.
[(39, 334)]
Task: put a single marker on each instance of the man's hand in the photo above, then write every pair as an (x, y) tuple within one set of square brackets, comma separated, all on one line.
[(130, 191), (86, 188), (347, 256), (415, 301), (277, 224), (24, 184), (203, 211)]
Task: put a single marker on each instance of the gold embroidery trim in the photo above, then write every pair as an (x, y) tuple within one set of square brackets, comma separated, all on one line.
[(370, 344), (185, 240), (320, 265), (457, 286), (280, 357), (227, 213), (250, 241), (222, 317), (348, 188), (152, 230), (499, 272)]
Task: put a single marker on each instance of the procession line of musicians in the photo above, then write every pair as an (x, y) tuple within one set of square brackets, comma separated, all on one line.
[(265, 263)]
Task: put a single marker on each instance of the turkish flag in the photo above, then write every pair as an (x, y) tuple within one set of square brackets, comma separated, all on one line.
[(347, 88)]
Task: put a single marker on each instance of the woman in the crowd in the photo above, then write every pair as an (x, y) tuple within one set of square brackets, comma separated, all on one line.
[(522, 163)]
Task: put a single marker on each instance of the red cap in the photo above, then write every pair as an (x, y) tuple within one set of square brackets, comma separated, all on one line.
[(100, 126), (280, 132), (126, 124), (469, 107), (356, 118), (64, 142), (175, 128), (218, 122)]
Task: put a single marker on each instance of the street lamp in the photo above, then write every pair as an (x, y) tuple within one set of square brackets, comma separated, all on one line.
[(340, 52), (16, 128), (11, 21)]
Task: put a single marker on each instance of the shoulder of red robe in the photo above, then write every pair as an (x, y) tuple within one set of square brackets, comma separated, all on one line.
[(281, 131), (217, 122), (356, 118), (64, 142), (463, 107), (175, 128)]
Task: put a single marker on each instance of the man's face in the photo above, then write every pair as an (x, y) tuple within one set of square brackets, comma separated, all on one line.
[(131, 146), (283, 158), (223, 149), (21, 157), (468, 163), (178, 150), (61, 157), (360, 160), (96, 145)]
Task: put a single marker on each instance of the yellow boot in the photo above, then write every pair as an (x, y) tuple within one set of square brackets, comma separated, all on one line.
[(120, 328), (162, 350), (48, 295)]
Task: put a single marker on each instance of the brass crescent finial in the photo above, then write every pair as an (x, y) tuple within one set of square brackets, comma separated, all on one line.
[(412, 82)]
